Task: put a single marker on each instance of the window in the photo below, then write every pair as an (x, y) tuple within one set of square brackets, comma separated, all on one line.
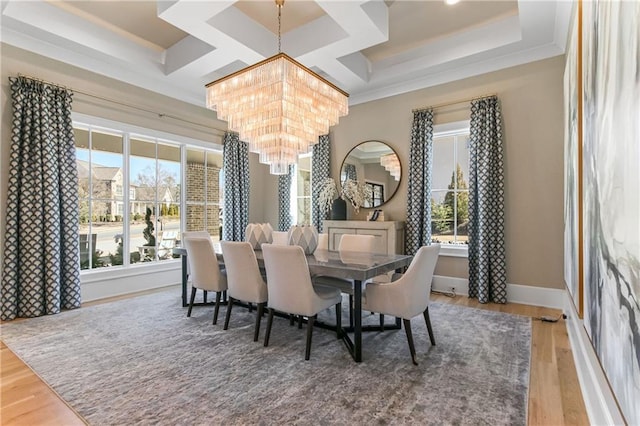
[(205, 191), (377, 195), (449, 188), (146, 220), (99, 158), (301, 191)]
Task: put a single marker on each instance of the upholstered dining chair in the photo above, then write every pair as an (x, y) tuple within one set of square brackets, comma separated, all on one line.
[(408, 296), (323, 241), (291, 290), (205, 272), (200, 234), (280, 238), (244, 279), (351, 243)]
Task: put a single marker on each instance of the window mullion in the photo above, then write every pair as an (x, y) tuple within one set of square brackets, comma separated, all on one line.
[(126, 196)]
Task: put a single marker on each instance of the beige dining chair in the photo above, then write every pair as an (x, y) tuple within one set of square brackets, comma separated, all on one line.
[(280, 238), (244, 279), (291, 290), (323, 241), (200, 234), (348, 243), (205, 271), (408, 296)]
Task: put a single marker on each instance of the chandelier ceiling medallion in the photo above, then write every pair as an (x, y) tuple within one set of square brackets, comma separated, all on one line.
[(278, 106)]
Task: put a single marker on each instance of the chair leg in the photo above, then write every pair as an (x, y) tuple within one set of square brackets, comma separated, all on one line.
[(412, 349), (193, 297), (339, 320), (250, 307), (217, 308), (429, 329), (299, 321), (205, 296), (351, 310), (228, 316), (268, 332), (256, 333), (291, 319), (310, 322), (381, 322)]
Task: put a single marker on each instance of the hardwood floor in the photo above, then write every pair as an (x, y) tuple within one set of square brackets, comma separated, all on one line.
[(554, 392)]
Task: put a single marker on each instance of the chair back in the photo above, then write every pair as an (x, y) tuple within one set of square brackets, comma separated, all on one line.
[(280, 238), (205, 272), (353, 242), (196, 234), (323, 242), (414, 286), (243, 274), (288, 279)]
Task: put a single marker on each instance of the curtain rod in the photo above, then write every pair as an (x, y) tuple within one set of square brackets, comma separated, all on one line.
[(452, 103), (159, 114)]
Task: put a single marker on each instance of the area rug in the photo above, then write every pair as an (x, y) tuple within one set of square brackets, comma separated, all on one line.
[(142, 361)]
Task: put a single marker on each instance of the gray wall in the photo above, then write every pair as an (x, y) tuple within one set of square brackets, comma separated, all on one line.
[(531, 97)]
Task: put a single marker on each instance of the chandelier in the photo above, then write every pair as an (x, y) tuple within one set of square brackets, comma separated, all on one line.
[(391, 163), (278, 106)]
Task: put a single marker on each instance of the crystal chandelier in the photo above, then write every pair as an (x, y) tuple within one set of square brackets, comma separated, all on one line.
[(278, 106), (391, 163)]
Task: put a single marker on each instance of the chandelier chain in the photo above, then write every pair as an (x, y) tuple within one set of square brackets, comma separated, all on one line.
[(279, 26)]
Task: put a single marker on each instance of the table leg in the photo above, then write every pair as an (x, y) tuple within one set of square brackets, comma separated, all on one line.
[(184, 280), (357, 325)]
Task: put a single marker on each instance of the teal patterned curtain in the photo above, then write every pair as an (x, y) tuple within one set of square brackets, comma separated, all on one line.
[(419, 192), (235, 163), (41, 266), (284, 200), (350, 172), (487, 266), (320, 170)]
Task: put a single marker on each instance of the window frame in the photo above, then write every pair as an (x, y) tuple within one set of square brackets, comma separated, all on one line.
[(443, 130), (128, 130)]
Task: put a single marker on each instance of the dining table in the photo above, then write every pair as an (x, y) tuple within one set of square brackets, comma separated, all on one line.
[(357, 267)]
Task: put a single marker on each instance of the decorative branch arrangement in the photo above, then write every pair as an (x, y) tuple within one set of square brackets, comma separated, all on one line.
[(353, 191)]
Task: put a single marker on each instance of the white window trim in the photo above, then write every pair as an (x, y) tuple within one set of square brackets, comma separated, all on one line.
[(127, 270), (446, 129)]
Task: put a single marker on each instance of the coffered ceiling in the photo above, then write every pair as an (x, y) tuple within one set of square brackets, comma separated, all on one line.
[(371, 49)]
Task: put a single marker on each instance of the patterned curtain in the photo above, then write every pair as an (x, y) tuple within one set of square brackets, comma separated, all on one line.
[(284, 200), (320, 170), (41, 268), (235, 162), (419, 192), (350, 172), (487, 266)]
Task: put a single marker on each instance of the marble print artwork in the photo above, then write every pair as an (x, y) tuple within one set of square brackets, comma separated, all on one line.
[(571, 166), (612, 194)]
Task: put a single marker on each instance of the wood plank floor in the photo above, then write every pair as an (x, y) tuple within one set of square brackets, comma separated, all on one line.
[(554, 391)]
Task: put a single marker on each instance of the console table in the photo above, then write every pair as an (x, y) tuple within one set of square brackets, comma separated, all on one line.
[(389, 235)]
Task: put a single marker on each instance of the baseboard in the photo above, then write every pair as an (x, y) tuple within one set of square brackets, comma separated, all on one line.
[(601, 405), (528, 295)]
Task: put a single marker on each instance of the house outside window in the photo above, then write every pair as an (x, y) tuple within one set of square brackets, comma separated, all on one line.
[(153, 169), (449, 187)]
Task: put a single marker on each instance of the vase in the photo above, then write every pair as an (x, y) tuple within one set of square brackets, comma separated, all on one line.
[(339, 209), (305, 237), (257, 234)]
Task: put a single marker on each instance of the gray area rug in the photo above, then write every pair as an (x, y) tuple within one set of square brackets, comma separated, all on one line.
[(142, 361)]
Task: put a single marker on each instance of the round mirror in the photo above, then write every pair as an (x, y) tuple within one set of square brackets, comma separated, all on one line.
[(375, 164)]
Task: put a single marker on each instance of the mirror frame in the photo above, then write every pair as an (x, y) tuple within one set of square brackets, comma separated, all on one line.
[(387, 198)]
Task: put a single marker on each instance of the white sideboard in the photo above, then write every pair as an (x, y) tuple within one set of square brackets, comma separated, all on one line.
[(389, 235)]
